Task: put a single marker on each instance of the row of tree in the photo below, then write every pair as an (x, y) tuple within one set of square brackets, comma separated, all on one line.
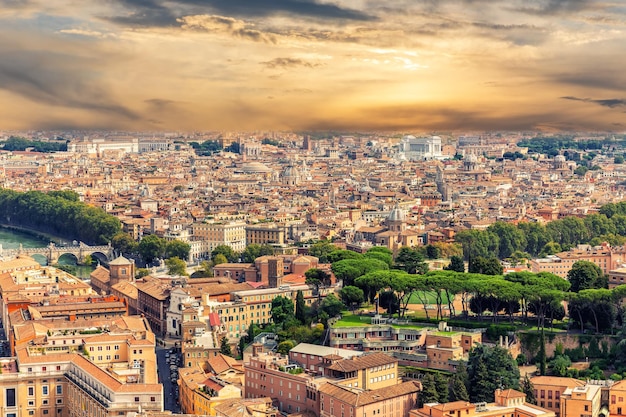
[(59, 213), (15, 143), (526, 239)]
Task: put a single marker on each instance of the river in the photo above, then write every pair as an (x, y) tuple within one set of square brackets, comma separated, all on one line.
[(11, 239)]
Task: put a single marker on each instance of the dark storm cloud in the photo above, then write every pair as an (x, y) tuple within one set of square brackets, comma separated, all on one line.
[(609, 102), (288, 63), (160, 13), (55, 79)]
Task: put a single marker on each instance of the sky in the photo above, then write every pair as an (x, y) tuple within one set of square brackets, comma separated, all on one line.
[(353, 65)]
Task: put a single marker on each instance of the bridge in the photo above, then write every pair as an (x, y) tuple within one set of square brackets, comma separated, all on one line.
[(53, 252)]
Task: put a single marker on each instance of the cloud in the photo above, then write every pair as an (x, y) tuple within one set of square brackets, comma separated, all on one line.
[(87, 33), (610, 102), (57, 79), (160, 13), (289, 63), (225, 25)]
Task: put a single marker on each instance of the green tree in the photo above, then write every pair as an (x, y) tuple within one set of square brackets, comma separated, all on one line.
[(254, 251), (282, 310), (177, 248), (411, 261), (541, 356), (225, 250), (490, 368), (300, 307), (341, 254), (456, 264), (219, 259), (457, 390), (619, 159), (477, 243), (560, 365), (317, 278), (485, 266), (124, 243), (429, 393), (225, 348), (550, 248), (331, 305), (151, 247), (352, 295), (441, 384), (141, 272), (176, 266), (510, 238), (528, 388), (321, 250), (585, 275), (285, 346)]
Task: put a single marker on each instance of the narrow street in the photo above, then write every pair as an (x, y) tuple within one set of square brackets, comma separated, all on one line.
[(170, 388)]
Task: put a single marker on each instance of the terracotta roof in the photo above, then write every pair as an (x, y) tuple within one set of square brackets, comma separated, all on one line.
[(358, 398), (362, 362), (221, 363)]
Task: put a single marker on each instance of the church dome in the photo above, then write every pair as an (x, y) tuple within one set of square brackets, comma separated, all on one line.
[(396, 215)]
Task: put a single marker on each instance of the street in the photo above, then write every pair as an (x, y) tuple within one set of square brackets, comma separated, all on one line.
[(170, 389)]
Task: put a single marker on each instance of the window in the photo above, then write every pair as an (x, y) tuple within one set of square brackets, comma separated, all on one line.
[(31, 412), (44, 402), (9, 400), (153, 399), (59, 389), (31, 403), (586, 407), (44, 390), (136, 399), (31, 391), (59, 400), (45, 411)]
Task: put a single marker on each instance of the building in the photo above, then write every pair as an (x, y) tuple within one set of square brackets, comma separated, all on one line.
[(393, 401), (265, 234), (415, 149), (585, 400), (213, 234), (507, 403), (311, 357), (549, 389)]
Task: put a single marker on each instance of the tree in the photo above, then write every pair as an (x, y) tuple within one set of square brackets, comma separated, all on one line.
[(124, 243), (219, 259), (541, 356), (331, 305), (457, 390), (177, 248), (510, 238), (300, 307), (528, 389), (141, 272), (433, 252), (411, 261), (352, 295), (341, 254), (560, 365), (490, 368), (151, 247), (284, 347), (254, 251), (456, 264), (176, 266), (282, 310), (485, 266), (225, 347), (585, 275), (477, 243), (317, 279), (225, 250), (321, 250), (441, 384), (429, 393)]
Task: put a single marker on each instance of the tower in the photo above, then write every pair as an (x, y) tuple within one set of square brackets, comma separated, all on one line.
[(121, 269)]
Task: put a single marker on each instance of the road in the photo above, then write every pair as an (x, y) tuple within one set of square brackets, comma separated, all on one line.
[(169, 387)]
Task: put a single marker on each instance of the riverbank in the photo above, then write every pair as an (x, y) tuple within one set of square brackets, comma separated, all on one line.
[(34, 233)]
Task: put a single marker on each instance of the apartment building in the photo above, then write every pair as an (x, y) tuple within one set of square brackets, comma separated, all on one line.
[(582, 401), (549, 389), (311, 357), (201, 392), (617, 399), (265, 234), (605, 256), (213, 234), (507, 403), (61, 368)]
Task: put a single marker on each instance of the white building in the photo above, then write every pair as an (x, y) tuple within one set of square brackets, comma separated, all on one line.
[(415, 149)]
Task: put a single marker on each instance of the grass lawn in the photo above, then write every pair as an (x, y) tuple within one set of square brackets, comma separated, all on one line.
[(430, 297), (351, 320)]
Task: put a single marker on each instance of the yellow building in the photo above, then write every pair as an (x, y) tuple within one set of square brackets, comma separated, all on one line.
[(200, 392), (549, 389), (617, 397), (582, 401)]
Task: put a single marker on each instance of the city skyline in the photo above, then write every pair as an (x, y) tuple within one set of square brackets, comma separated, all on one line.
[(345, 65)]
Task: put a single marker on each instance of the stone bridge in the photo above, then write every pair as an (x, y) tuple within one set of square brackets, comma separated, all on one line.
[(53, 252)]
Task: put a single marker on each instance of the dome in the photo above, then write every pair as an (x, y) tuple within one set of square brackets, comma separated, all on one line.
[(253, 168), (559, 158), (290, 171), (396, 215)]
